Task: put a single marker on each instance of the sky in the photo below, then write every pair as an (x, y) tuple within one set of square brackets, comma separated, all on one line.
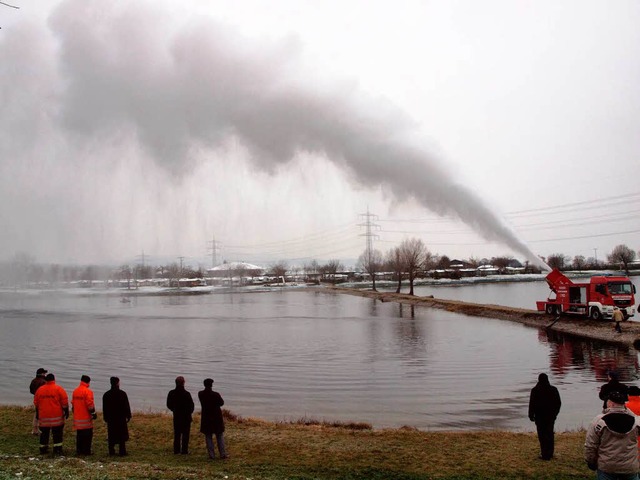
[(271, 129)]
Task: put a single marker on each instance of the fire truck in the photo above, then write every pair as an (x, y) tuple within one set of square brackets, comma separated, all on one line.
[(594, 299)]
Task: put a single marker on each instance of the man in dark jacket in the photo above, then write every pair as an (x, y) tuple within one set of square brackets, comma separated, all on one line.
[(544, 406), (613, 385), (212, 421), (179, 401), (117, 413), (36, 383)]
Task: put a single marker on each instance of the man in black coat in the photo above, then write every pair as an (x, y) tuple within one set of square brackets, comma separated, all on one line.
[(117, 413), (35, 384), (613, 385), (544, 406), (179, 401), (212, 421)]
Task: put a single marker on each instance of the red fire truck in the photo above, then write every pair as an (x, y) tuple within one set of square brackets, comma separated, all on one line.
[(594, 299)]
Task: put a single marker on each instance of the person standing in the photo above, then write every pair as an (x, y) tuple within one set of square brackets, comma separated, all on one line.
[(612, 385), (211, 421), (611, 444), (52, 408), (117, 413), (617, 317), (633, 404), (544, 406), (36, 383), (84, 413), (180, 402)]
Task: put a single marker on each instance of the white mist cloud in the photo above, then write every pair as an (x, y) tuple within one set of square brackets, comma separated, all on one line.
[(125, 129)]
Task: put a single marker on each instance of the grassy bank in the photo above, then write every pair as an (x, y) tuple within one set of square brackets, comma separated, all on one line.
[(262, 450)]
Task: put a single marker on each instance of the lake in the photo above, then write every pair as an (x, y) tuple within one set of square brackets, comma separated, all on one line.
[(295, 353)]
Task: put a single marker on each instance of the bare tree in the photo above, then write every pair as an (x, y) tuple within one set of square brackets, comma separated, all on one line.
[(331, 268), (280, 269), (622, 255), (371, 261), (579, 262), (414, 254), (557, 260), (173, 271), (394, 263), (501, 262), (443, 262)]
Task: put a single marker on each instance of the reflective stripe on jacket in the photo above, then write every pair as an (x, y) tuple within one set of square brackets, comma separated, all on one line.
[(83, 407), (51, 401)]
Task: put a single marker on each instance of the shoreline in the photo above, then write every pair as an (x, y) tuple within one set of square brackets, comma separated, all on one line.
[(262, 450), (576, 326)]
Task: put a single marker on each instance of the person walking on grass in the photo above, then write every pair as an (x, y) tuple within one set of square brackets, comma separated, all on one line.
[(544, 406), (212, 422), (611, 444), (84, 413), (117, 414), (35, 384), (180, 402), (52, 408)]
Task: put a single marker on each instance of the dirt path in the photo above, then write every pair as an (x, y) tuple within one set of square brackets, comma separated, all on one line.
[(577, 326)]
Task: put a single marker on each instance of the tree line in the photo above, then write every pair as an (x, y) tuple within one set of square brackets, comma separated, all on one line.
[(407, 261)]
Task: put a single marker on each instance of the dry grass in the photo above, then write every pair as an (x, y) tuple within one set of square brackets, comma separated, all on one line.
[(298, 450)]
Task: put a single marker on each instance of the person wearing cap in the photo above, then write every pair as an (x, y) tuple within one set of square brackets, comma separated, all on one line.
[(617, 317), (84, 413), (611, 444), (36, 383), (612, 385), (544, 406), (211, 421), (117, 413), (180, 402), (52, 408)]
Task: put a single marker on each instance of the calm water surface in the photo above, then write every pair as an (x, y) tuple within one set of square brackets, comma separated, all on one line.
[(294, 353)]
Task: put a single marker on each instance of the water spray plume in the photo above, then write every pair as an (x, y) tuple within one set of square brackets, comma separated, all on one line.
[(203, 84)]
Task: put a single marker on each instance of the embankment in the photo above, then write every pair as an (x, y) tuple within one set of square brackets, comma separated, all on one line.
[(566, 324)]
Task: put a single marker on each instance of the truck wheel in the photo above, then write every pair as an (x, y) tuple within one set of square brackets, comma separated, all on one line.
[(595, 314), (550, 309)]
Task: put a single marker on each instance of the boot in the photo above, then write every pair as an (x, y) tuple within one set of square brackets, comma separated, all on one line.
[(57, 450), (44, 450)]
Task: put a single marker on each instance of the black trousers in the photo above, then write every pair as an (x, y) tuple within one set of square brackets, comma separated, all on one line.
[(45, 432), (545, 437), (122, 448), (83, 441), (181, 438)]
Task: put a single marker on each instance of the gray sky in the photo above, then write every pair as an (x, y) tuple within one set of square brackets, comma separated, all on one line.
[(483, 128)]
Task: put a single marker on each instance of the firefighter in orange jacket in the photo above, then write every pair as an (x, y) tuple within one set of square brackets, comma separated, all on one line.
[(52, 407), (84, 413)]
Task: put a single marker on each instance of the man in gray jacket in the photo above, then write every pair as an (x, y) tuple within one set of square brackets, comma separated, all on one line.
[(611, 446)]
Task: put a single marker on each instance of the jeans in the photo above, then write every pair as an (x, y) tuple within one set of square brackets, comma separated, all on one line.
[(208, 437), (600, 475)]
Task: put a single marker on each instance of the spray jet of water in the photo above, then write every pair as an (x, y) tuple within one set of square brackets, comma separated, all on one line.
[(205, 84)]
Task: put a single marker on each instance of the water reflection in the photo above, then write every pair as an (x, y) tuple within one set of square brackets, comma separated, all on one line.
[(568, 352), (288, 354)]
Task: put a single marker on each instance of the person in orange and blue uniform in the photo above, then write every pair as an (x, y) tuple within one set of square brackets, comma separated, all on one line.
[(52, 408), (84, 413)]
